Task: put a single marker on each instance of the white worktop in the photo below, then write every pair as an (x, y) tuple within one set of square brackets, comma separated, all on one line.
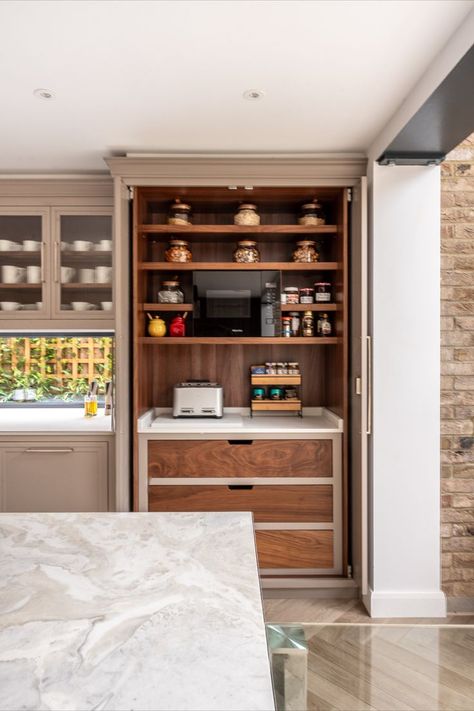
[(52, 420), (131, 611), (237, 421)]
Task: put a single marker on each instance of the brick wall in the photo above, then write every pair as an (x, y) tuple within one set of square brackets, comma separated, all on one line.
[(457, 371)]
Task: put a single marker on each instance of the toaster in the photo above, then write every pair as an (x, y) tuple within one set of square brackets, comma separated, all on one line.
[(198, 398)]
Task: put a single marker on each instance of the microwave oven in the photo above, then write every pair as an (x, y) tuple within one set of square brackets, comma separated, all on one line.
[(236, 303)]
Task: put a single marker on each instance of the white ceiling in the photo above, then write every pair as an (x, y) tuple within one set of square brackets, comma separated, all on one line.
[(169, 76)]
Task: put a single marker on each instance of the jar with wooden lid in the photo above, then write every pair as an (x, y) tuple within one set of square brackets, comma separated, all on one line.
[(306, 250), (179, 213), (178, 251), (311, 214), (246, 252), (171, 293), (247, 214)]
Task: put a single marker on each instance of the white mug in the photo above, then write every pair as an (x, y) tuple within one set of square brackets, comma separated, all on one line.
[(31, 245), (104, 245), (12, 274), (10, 305), (6, 245), (106, 305), (81, 306), (67, 274), (103, 275), (33, 274), (80, 245), (86, 276)]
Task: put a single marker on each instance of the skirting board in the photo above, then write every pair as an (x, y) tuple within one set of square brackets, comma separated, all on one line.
[(335, 588), (461, 604), (405, 604)]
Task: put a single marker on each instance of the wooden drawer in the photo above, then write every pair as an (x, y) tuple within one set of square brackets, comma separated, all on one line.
[(295, 549), (234, 458), (268, 503)]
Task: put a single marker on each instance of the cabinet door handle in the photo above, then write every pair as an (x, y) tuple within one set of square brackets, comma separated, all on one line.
[(56, 261), (43, 262), (240, 441), (237, 487), (43, 450)]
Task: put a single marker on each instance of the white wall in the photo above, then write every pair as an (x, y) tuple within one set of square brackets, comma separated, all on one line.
[(405, 477)]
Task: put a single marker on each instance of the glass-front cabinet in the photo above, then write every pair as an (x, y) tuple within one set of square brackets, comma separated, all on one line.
[(56, 264)]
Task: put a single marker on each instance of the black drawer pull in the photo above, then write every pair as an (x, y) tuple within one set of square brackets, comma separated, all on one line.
[(244, 487), (240, 441)]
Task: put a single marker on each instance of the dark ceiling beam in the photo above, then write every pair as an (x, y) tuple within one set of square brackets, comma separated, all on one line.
[(444, 120)]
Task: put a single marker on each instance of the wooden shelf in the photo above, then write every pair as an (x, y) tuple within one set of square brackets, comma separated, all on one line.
[(223, 341), (236, 230), (80, 286), (167, 307), (276, 405), (275, 379), (311, 307), (236, 266)]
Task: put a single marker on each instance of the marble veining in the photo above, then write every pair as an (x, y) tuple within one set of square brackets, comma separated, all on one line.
[(131, 611)]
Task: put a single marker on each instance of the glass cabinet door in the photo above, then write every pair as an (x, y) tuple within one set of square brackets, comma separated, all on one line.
[(83, 264), (24, 290)]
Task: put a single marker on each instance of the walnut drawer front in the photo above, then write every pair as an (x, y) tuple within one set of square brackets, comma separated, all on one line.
[(295, 549), (269, 504), (240, 458)]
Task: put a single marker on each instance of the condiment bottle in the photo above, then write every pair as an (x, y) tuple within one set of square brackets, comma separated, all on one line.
[(178, 326), (286, 326), (308, 324), (324, 326)]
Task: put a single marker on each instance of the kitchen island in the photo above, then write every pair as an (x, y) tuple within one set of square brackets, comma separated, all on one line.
[(131, 611)]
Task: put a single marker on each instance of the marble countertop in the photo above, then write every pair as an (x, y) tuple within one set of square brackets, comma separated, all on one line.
[(238, 421), (131, 611), (52, 420)]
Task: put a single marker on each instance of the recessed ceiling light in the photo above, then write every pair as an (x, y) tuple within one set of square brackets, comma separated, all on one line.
[(45, 94), (253, 94)]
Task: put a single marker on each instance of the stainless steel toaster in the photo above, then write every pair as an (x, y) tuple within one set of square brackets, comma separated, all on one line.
[(198, 398)]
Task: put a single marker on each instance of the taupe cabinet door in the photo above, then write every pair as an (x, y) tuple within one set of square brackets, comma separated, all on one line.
[(53, 476)]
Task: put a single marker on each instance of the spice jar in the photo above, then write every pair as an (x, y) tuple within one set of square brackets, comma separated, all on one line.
[(282, 368), (291, 294), (322, 292), (170, 293), (293, 368), (306, 251), (308, 324), (324, 325), (179, 213), (178, 251), (286, 326), (247, 214), (276, 393), (246, 252), (295, 323), (258, 393), (270, 368), (311, 214), (307, 296)]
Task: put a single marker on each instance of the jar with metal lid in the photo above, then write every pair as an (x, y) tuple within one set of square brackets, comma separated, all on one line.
[(179, 213), (306, 250), (247, 214), (282, 368), (178, 251), (292, 295), (270, 368), (311, 214), (308, 324), (322, 292), (307, 296), (324, 325), (170, 293), (286, 326), (276, 393), (293, 368), (295, 323), (246, 252)]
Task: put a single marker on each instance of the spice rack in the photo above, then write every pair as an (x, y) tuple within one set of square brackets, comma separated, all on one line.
[(269, 405)]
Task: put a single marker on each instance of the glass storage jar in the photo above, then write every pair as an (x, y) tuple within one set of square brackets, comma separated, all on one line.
[(295, 323), (308, 324), (324, 325), (307, 296), (178, 251), (286, 326), (311, 214), (291, 295), (179, 213), (170, 293), (246, 252), (306, 251), (247, 215), (322, 292)]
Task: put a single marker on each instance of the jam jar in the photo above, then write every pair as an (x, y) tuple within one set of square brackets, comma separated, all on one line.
[(322, 292), (291, 295), (179, 213), (246, 252), (170, 293), (178, 251), (307, 296), (306, 251), (311, 214), (246, 214)]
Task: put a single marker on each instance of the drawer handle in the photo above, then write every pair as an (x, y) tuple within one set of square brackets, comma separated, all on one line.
[(34, 450), (240, 441), (236, 487)]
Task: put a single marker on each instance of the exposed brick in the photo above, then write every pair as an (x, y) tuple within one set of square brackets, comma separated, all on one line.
[(463, 354), (464, 501), (458, 485), (456, 368), (462, 199), (464, 382), (463, 471), (464, 231), (458, 544), (463, 169), (450, 515), (459, 558)]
